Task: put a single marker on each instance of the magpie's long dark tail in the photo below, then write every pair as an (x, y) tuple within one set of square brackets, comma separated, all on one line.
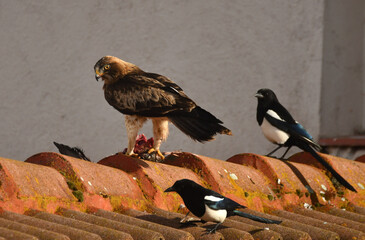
[(198, 124), (335, 174), (255, 218)]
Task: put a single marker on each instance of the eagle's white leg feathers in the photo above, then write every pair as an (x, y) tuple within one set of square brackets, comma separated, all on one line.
[(133, 123), (160, 131)]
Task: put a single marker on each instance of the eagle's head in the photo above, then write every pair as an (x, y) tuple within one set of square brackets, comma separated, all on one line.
[(110, 69)]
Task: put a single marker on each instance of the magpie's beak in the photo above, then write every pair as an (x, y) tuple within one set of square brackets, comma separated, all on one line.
[(259, 95), (170, 189)]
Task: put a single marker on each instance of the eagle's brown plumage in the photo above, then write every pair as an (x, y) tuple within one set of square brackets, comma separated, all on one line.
[(141, 95)]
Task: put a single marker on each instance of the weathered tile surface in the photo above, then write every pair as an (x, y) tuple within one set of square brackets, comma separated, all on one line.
[(122, 198)]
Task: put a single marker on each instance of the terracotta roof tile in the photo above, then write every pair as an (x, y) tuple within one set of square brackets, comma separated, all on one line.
[(285, 232), (103, 232), (167, 232), (34, 231), (153, 178), (353, 171), (35, 183), (94, 182), (314, 232), (29, 180), (256, 232), (14, 235), (169, 219), (290, 180), (346, 214), (123, 198), (356, 209), (331, 218), (71, 232), (240, 183), (137, 233), (233, 233), (343, 232)]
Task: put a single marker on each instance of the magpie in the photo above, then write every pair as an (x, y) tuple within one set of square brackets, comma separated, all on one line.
[(208, 205), (280, 128)]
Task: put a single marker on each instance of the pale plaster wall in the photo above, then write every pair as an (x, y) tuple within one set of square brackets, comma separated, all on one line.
[(343, 83), (219, 52)]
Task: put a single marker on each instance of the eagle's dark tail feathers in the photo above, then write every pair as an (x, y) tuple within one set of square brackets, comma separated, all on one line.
[(255, 218), (198, 124), (335, 174)]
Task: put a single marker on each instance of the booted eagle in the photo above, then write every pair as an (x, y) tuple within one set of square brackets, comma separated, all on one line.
[(141, 95)]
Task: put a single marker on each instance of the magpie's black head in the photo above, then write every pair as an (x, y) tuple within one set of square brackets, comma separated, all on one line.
[(266, 97), (183, 186)]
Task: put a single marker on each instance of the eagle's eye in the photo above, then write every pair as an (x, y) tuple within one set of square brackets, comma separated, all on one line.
[(106, 67)]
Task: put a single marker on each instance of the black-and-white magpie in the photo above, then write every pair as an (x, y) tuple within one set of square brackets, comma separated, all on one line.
[(280, 128), (209, 205)]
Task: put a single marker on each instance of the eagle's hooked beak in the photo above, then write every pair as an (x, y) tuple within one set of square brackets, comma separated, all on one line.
[(98, 74), (259, 95)]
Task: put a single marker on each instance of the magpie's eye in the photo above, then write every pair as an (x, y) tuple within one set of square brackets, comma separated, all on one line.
[(106, 67)]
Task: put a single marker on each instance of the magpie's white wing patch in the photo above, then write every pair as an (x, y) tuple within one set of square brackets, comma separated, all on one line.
[(274, 114), (213, 198)]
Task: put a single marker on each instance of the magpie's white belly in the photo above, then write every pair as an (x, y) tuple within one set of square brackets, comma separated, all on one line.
[(273, 134), (211, 215)]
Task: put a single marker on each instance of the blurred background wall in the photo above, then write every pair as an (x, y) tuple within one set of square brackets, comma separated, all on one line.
[(310, 52)]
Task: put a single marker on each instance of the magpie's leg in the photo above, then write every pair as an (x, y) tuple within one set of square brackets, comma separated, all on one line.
[(268, 155), (215, 228), (187, 214), (183, 220), (287, 150)]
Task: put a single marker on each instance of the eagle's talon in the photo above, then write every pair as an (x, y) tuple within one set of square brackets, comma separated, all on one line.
[(152, 150), (133, 155)]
